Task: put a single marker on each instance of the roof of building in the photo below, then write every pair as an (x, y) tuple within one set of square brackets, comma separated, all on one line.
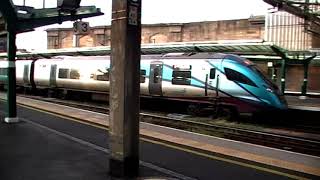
[(252, 49)]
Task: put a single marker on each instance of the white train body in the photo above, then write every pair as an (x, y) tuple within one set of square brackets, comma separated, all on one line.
[(195, 78)]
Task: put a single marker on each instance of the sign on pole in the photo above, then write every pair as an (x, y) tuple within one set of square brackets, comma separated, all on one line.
[(81, 27)]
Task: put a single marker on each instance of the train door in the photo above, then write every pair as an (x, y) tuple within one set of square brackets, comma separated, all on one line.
[(53, 77), (212, 81), (155, 78), (26, 74)]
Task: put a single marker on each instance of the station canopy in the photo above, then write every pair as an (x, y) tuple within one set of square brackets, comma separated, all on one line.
[(252, 49)]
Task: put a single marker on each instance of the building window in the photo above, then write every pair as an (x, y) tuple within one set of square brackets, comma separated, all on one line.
[(63, 73), (103, 77), (53, 42), (142, 76), (233, 75), (101, 40), (212, 73), (74, 74), (181, 77)]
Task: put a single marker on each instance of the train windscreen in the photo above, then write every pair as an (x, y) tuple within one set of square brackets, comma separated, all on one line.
[(256, 69)]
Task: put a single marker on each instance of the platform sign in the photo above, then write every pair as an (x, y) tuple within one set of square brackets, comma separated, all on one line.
[(3, 44), (81, 27)]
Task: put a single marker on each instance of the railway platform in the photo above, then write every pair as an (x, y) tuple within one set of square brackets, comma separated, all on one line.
[(305, 103), (55, 142)]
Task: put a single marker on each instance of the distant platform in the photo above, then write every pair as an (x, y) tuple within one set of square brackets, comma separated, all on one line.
[(305, 103)]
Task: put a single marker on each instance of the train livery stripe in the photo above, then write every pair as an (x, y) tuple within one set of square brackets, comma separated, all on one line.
[(241, 86), (195, 79)]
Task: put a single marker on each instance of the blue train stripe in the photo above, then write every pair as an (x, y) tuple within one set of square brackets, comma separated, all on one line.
[(245, 89)]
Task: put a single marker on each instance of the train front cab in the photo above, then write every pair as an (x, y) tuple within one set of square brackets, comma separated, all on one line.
[(247, 87)]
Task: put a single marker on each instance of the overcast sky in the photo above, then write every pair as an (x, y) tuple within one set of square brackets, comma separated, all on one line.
[(153, 11)]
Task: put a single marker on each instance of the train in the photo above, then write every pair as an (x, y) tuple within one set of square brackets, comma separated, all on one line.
[(226, 81)]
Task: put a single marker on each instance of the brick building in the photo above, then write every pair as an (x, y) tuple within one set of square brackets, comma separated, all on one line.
[(252, 28)]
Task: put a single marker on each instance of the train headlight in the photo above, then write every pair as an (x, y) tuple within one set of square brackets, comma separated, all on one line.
[(268, 88)]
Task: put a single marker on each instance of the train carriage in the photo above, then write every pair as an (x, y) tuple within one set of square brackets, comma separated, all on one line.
[(197, 78)]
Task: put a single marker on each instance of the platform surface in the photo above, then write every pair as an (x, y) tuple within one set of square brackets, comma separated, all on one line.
[(161, 159), (303, 103)]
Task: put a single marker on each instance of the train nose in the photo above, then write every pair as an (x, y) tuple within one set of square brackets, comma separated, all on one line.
[(282, 101)]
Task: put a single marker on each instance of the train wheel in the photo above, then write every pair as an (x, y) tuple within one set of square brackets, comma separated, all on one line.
[(230, 113), (194, 109), (62, 94)]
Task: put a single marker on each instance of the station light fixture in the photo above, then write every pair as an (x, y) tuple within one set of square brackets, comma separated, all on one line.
[(68, 6)]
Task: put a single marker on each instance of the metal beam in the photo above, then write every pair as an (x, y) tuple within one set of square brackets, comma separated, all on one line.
[(11, 112), (280, 52), (43, 17), (304, 86), (125, 88), (290, 8), (7, 10)]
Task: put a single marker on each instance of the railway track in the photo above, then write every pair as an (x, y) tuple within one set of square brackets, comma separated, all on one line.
[(287, 142)]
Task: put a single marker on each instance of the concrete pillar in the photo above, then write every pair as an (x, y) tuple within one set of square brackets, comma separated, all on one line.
[(125, 88), (11, 115)]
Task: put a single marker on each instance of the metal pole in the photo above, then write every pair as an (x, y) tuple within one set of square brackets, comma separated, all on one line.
[(11, 115), (283, 75), (125, 88), (305, 79)]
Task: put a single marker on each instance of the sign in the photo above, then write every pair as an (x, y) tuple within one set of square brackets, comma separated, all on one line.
[(81, 27), (133, 15), (3, 44)]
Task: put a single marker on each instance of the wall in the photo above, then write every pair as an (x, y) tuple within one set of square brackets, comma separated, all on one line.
[(241, 29)]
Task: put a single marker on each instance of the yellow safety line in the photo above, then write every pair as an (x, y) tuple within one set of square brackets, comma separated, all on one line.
[(168, 145), (225, 160), (63, 116)]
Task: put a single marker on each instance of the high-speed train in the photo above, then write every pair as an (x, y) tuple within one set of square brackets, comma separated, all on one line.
[(197, 78)]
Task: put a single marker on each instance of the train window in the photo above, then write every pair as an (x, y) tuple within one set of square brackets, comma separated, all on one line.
[(181, 77), (156, 75), (3, 71), (212, 73), (238, 77), (104, 77), (142, 76), (63, 73), (74, 74)]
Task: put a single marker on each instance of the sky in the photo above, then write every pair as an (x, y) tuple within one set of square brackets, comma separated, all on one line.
[(153, 11)]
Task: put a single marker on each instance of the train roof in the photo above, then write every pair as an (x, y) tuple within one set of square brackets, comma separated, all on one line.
[(197, 56), (168, 56)]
